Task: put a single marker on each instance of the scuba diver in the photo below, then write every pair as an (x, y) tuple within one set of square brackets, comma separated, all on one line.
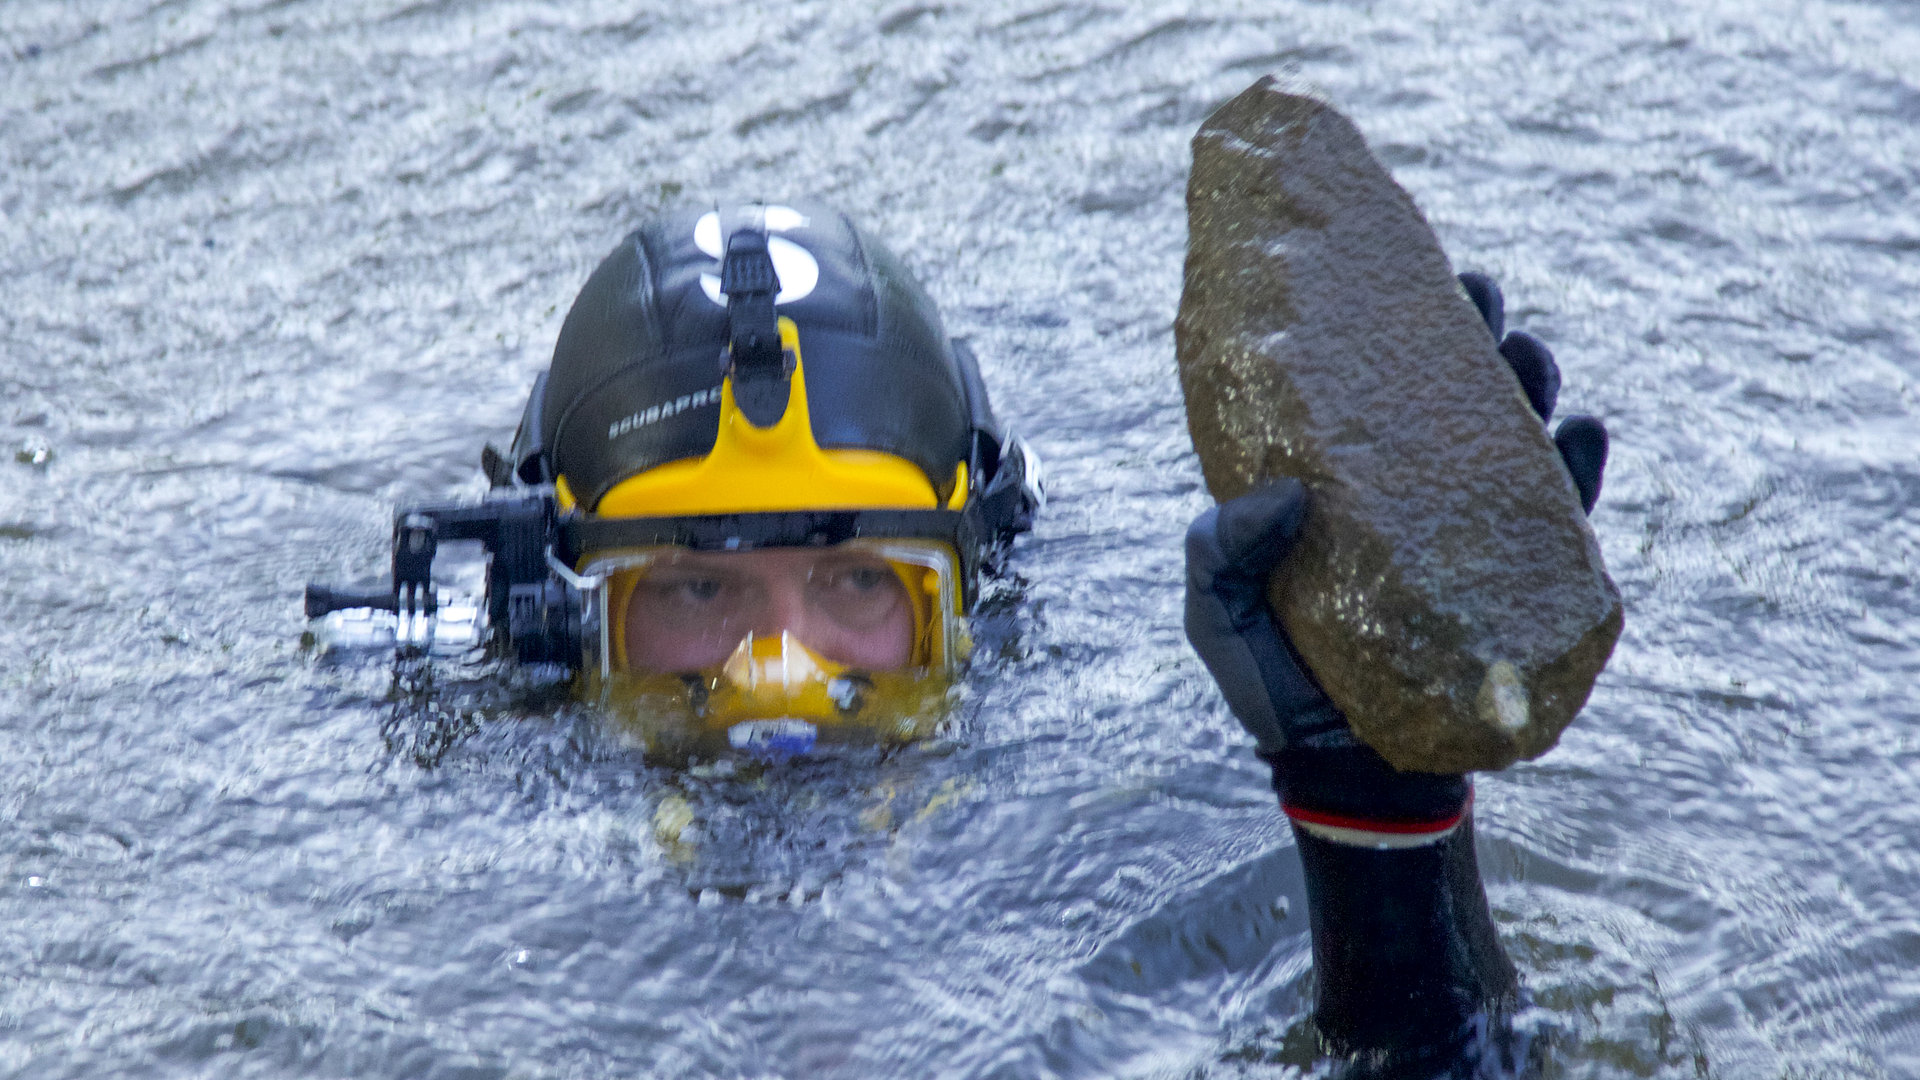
[(749, 499), (755, 490), (1410, 975)]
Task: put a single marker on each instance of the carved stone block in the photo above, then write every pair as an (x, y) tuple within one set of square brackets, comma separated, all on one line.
[(1447, 591)]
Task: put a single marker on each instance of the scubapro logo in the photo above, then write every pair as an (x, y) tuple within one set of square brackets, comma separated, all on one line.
[(656, 413)]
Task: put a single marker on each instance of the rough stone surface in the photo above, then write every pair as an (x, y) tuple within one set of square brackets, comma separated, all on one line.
[(1447, 591)]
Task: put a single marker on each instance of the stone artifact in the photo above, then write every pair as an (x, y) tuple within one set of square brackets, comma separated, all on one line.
[(1446, 590)]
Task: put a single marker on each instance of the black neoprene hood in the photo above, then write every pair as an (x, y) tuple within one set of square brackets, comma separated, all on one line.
[(637, 369)]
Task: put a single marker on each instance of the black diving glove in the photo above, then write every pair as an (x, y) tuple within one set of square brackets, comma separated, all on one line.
[(1328, 780)]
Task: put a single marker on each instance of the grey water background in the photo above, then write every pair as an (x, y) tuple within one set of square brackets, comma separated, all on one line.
[(269, 268)]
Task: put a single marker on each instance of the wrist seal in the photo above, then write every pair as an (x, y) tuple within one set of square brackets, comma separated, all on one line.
[(1339, 789)]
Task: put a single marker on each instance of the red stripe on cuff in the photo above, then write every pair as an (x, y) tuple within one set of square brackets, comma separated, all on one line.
[(1378, 825)]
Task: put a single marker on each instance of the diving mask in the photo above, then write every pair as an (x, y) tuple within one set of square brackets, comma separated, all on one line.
[(772, 648)]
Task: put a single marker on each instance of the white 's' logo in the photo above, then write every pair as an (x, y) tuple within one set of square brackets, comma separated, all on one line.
[(795, 265)]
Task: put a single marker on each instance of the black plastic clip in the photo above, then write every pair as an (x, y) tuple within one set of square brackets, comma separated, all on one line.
[(760, 368)]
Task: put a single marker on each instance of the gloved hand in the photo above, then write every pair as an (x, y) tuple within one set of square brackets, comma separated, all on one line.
[(1327, 779), (1582, 439)]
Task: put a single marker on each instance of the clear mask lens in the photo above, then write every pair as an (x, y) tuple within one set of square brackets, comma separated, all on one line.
[(776, 647)]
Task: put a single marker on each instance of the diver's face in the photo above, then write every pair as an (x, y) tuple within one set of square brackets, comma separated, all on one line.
[(691, 612)]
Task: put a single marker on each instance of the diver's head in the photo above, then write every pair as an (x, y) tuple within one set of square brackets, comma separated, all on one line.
[(780, 472)]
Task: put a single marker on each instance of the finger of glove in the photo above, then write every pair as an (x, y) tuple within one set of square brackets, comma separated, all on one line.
[(1532, 363), (1231, 552), (1583, 446), (1334, 772), (1258, 529), (1485, 294)]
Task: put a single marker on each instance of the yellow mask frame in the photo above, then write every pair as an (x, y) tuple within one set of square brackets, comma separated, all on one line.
[(927, 569), (753, 469), (774, 682)]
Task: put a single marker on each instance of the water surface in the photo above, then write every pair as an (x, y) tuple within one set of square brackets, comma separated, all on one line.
[(271, 267)]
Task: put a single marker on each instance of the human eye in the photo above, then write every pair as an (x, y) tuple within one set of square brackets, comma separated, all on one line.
[(862, 578), (855, 577), (688, 589), (857, 592)]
